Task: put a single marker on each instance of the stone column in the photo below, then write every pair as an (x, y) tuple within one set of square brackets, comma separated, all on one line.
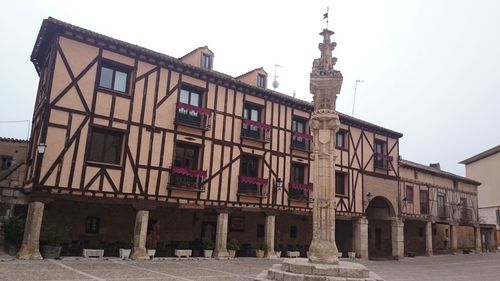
[(360, 241), (220, 250), (269, 236), (139, 251), (479, 247), (428, 239), (453, 238), (31, 239), (397, 235)]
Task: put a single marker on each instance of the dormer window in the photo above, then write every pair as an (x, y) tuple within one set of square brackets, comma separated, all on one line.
[(206, 61), (261, 80)]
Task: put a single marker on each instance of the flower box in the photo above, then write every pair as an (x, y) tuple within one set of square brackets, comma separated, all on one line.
[(183, 253), (124, 253), (293, 254), (93, 253)]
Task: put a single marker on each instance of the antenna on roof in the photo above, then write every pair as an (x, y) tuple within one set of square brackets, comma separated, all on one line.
[(276, 84), (294, 93), (354, 99)]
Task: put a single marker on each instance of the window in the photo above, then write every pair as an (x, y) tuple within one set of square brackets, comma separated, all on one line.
[(340, 142), (299, 126), (260, 230), (293, 231), (261, 80), (206, 61), (441, 206), (252, 113), (92, 225), (114, 77), (249, 166), (340, 183), (409, 194), (380, 152), (186, 156), (105, 146), (297, 176), (420, 232), (424, 202), (6, 162), (186, 116)]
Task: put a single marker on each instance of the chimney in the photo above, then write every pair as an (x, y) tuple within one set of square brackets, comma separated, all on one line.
[(435, 166)]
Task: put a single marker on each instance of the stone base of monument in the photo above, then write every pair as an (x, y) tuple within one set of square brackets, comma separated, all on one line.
[(303, 270)]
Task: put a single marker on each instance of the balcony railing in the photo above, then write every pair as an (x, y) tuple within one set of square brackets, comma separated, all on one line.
[(252, 186), (443, 212), (256, 130), (381, 160), (466, 215), (299, 191), (188, 179), (301, 140), (193, 116)]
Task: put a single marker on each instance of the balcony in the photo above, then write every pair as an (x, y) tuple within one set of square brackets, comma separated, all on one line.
[(301, 141), (252, 186), (466, 215), (299, 191), (381, 161), (186, 179), (443, 212), (255, 130), (193, 116)]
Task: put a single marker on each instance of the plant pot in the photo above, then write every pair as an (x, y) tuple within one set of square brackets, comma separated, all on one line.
[(351, 255), (96, 253), (339, 255), (259, 253), (183, 253), (51, 252), (151, 253), (293, 254), (232, 253), (278, 254), (11, 250), (124, 253), (208, 253)]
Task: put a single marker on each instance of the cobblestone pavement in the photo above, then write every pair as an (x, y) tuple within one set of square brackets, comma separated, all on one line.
[(463, 267)]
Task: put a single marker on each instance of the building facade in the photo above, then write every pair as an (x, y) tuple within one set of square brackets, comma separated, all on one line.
[(169, 150), (483, 167)]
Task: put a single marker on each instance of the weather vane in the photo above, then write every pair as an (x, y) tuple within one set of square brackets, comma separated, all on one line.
[(325, 16)]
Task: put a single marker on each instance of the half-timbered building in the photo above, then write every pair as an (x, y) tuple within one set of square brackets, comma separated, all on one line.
[(128, 142)]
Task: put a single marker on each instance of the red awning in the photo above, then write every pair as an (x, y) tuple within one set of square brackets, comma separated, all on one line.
[(256, 124), (198, 109), (189, 172), (302, 135), (380, 156), (252, 180), (301, 186)]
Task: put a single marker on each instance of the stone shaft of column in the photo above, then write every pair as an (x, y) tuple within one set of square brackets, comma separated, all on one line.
[(220, 250), (139, 251), (397, 239), (454, 238), (31, 239), (478, 239), (361, 237), (269, 237), (428, 239)]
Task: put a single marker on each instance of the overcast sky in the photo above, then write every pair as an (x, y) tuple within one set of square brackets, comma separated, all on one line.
[(431, 67)]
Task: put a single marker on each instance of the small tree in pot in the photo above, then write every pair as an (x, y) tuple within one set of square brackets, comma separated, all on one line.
[(208, 247), (52, 237), (13, 231), (232, 247), (260, 250)]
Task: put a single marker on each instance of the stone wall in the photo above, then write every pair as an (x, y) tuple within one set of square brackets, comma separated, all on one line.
[(414, 234)]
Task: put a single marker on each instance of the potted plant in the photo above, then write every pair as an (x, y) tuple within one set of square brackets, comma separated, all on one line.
[(13, 231), (208, 247), (183, 250), (277, 249), (293, 251), (125, 252), (260, 250), (93, 249), (52, 237), (232, 247)]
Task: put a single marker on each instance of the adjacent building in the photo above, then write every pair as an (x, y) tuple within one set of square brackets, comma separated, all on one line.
[(484, 167), (128, 142)]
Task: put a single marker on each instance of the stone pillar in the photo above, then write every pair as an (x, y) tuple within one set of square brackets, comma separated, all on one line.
[(397, 235), (454, 238), (31, 239), (139, 251), (360, 241), (269, 236), (479, 247), (220, 250), (428, 239)]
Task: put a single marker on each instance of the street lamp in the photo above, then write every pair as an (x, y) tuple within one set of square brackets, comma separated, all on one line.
[(369, 196), (279, 183), (41, 148)]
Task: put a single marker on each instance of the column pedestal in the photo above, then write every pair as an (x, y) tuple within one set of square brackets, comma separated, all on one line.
[(454, 239), (397, 235), (139, 251), (269, 237), (220, 250), (31, 239), (428, 239), (360, 241)]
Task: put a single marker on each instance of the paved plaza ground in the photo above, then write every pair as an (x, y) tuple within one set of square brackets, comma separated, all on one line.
[(446, 267)]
